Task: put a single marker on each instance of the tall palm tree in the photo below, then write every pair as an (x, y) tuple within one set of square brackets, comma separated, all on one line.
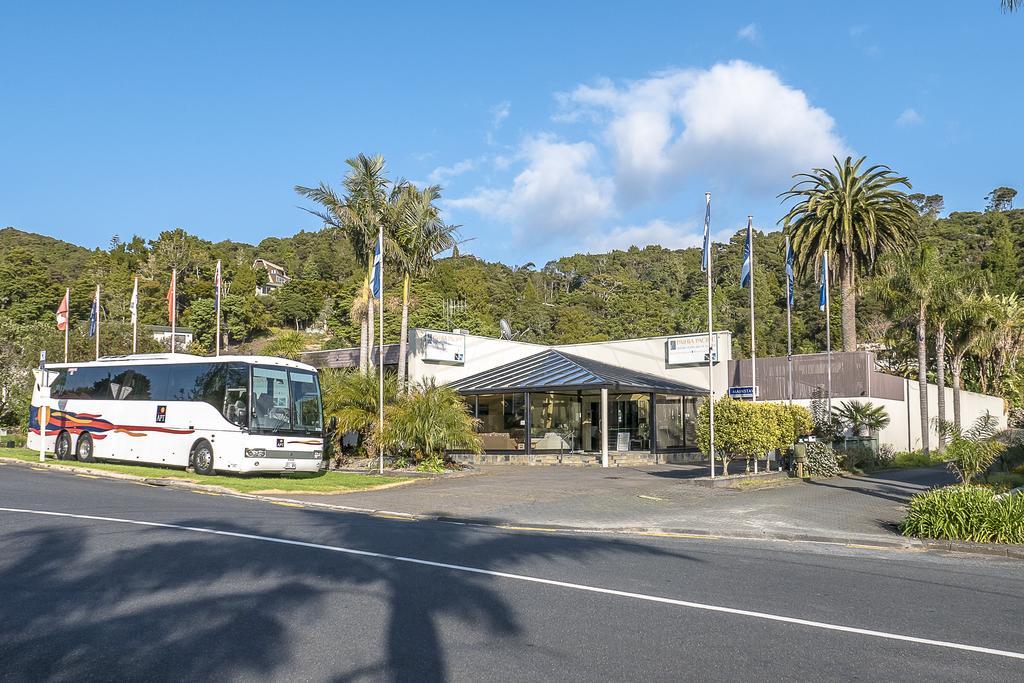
[(358, 217), (1000, 348), (1010, 5), (910, 285), (420, 237), (940, 314), (970, 316), (853, 215)]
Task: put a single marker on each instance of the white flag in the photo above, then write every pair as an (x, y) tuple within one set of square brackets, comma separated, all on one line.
[(134, 305)]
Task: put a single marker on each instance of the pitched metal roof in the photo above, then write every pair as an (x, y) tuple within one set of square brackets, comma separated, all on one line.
[(552, 370)]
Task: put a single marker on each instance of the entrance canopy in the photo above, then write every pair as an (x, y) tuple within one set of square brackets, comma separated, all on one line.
[(555, 370)]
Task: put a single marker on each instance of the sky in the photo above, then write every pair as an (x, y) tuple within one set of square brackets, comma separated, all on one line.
[(553, 127)]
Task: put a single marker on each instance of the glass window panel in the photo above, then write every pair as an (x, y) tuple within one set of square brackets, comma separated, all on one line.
[(148, 383), (270, 399), (502, 421), (305, 402), (87, 383), (555, 422), (236, 394)]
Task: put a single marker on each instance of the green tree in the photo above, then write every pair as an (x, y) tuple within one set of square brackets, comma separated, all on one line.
[(421, 236), (853, 216), (910, 284), (743, 429), (861, 417), (244, 316), (201, 317), (430, 420), (358, 216), (1000, 199), (353, 398)]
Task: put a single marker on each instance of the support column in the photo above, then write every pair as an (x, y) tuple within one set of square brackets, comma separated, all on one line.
[(604, 426), (652, 425), (529, 427)]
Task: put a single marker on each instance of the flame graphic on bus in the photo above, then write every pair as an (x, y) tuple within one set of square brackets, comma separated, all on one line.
[(95, 425)]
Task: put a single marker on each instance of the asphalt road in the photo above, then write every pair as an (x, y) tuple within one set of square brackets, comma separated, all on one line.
[(253, 590)]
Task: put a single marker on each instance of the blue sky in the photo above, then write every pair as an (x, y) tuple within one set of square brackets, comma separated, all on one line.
[(554, 127)]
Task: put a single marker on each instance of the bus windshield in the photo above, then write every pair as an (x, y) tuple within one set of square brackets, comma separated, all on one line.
[(285, 400)]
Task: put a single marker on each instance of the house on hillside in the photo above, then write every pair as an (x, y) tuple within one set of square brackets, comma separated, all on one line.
[(276, 277)]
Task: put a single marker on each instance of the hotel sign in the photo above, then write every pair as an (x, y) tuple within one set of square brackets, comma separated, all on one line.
[(689, 350), (441, 347)]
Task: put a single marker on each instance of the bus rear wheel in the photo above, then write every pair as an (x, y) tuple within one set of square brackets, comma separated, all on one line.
[(202, 457), (62, 448), (85, 448)]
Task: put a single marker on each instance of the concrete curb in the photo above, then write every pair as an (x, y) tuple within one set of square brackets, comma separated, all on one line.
[(871, 543)]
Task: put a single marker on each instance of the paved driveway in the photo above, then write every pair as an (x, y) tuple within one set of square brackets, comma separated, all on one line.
[(659, 497)]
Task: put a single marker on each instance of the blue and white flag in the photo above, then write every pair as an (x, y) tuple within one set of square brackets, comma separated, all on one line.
[(94, 314), (823, 292), (705, 261), (375, 285), (790, 277), (748, 249)]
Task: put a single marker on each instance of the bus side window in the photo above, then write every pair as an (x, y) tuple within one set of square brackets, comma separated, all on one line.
[(236, 395)]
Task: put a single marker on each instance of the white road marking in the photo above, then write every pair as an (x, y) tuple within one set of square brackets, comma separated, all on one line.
[(534, 579)]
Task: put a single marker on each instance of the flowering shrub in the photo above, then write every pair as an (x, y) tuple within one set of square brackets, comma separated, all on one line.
[(821, 460)]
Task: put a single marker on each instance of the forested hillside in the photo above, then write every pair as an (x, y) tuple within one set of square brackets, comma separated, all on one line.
[(649, 291)]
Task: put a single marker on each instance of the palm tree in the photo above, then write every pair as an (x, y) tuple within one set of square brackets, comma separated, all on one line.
[(999, 349), (910, 285), (352, 398), (358, 216), (421, 236), (1010, 5), (941, 312), (863, 417), (970, 314), (853, 215), (432, 419)]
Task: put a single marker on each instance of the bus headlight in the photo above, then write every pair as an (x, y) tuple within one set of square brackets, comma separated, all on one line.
[(318, 455), (255, 452)]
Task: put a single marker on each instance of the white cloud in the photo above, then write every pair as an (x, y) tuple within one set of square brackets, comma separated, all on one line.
[(751, 33), (909, 117), (499, 113), (657, 231), (556, 194), (735, 122), (442, 174)]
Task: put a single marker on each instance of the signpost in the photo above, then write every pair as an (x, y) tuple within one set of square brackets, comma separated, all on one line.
[(748, 393), (43, 381), (689, 350)]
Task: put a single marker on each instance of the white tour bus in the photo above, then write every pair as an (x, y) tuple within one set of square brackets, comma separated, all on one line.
[(229, 414)]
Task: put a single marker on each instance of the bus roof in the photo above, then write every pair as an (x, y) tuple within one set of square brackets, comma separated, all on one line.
[(183, 358)]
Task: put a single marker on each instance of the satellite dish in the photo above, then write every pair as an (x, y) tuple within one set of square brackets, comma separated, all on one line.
[(506, 329)]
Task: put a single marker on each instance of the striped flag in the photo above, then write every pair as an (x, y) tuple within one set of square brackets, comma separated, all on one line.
[(378, 266), (62, 311), (790, 277), (94, 314), (748, 249), (823, 291), (705, 260)]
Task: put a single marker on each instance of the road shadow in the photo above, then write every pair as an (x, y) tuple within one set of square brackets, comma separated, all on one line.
[(82, 600), (890, 493)]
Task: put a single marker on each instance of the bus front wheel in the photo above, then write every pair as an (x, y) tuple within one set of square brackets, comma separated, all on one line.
[(62, 449), (202, 457), (85, 448)]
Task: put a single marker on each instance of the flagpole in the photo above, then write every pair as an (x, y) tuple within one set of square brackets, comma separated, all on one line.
[(135, 316), (789, 326), (67, 321), (828, 333), (711, 343), (97, 322), (753, 331), (218, 306), (174, 308), (380, 397)]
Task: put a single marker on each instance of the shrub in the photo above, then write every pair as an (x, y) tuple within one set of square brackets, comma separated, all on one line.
[(907, 459), (886, 455), (821, 460), (743, 429), (973, 451), (428, 421), (803, 423), (966, 513)]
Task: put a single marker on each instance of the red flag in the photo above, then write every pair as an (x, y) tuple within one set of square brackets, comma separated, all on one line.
[(62, 313), (172, 297)]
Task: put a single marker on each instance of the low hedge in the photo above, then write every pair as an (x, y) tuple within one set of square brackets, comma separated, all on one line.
[(966, 513), (822, 460)]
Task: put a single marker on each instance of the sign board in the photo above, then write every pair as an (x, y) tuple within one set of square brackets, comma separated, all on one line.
[(442, 347), (622, 441), (690, 350), (742, 392)]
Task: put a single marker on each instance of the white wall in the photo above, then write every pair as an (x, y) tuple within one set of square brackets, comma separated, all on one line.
[(643, 355), (904, 430)]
